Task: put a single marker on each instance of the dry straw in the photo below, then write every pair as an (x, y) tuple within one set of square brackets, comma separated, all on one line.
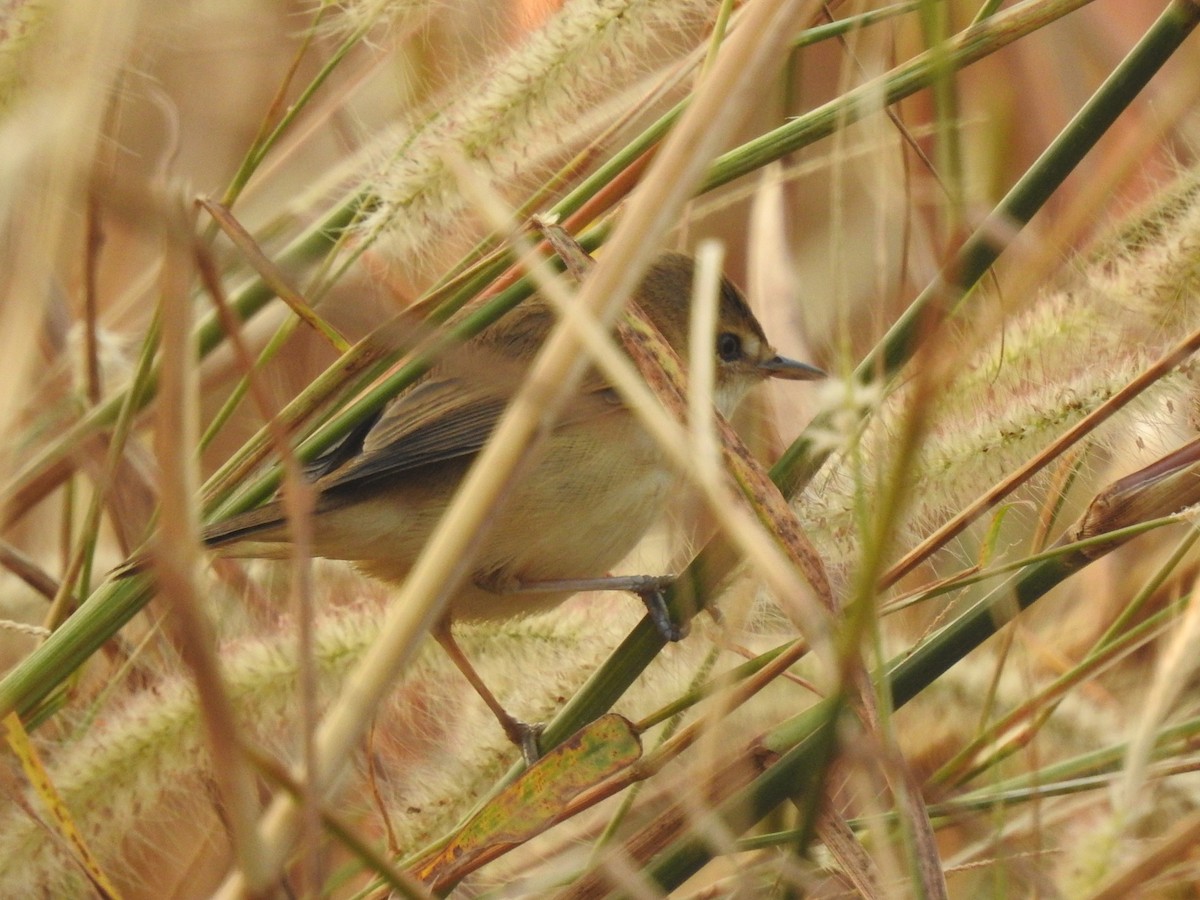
[(398, 752)]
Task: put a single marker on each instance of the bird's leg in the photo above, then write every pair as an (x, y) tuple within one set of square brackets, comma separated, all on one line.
[(523, 735), (650, 588)]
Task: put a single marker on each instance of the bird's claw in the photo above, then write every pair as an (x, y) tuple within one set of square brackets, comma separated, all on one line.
[(656, 606), (525, 736)]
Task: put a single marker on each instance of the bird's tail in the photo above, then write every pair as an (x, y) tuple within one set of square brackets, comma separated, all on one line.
[(252, 533)]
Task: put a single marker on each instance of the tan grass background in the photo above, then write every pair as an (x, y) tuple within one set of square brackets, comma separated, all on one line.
[(115, 112)]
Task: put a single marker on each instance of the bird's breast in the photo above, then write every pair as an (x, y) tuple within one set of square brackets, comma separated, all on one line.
[(591, 493)]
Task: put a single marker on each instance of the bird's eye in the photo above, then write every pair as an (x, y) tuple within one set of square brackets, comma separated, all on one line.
[(729, 346)]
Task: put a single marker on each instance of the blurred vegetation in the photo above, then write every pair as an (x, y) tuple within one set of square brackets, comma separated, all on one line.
[(979, 217)]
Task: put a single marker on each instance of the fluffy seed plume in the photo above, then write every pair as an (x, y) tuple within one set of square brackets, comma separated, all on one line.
[(1127, 302), (546, 86)]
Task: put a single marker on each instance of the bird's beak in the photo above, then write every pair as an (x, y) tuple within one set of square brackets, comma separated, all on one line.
[(790, 369)]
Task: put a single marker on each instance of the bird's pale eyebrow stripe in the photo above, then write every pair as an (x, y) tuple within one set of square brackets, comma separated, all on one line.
[(731, 295)]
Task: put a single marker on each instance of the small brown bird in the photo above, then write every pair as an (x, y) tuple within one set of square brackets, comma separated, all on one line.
[(597, 486)]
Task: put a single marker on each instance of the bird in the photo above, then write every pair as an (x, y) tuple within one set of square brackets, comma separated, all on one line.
[(596, 486)]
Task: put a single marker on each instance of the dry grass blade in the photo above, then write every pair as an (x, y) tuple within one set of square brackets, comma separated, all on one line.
[(298, 503), (271, 275), (640, 770), (706, 124), (680, 818), (28, 570), (60, 822), (1177, 847), (177, 546), (1159, 489), (661, 367), (391, 154), (663, 372), (1169, 361)]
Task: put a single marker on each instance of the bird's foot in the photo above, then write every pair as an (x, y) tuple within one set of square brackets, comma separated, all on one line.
[(656, 606), (525, 736)]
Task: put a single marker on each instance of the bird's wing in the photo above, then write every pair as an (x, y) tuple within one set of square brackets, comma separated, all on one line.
[(438, 420), (446, 418), (344, 450)]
